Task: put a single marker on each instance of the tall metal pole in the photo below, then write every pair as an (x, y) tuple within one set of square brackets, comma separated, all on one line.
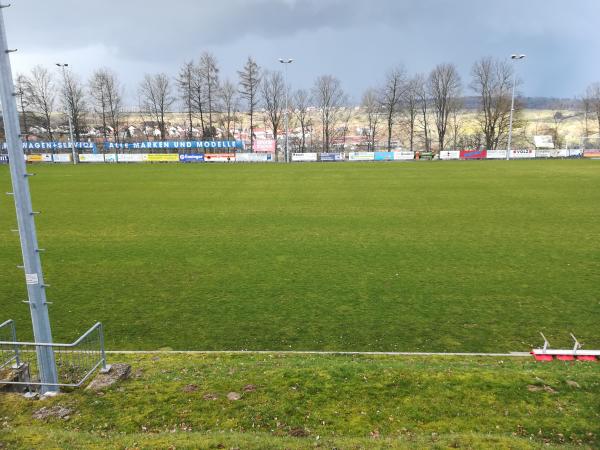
[(512, 105), (64, 73), (286, 62), (25, 218)]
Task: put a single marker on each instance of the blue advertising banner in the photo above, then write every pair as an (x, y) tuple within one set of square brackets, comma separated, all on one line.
[(38, 145), (191, 157), (384, 156), (3, 159), (331, 157), (153, 145)]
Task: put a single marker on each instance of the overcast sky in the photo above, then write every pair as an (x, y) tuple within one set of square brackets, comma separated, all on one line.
[(355, 40)]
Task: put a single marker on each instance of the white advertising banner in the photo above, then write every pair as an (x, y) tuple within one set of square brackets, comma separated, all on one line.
[(91, 158), (403, 156), (361, 156), (219, 157), (522, 154), (110, 157), (132, 157), (253, 157), (496, 154), (450, 154), (306, 157), (62, 157)]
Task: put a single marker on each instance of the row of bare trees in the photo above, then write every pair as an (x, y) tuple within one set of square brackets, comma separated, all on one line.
[(427, 108), (41, 94), (418, 111)]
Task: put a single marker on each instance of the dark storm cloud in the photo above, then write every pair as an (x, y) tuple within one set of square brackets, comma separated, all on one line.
[(356, 40)]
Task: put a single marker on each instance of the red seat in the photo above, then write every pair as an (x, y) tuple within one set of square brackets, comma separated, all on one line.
[(565, 357), (586, 358), (540, 357)]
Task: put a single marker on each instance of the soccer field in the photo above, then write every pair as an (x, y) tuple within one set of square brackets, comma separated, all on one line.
[(446, 256)]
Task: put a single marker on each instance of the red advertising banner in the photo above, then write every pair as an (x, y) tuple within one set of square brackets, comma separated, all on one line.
[(473, 154), (264, 146), (219, 157)]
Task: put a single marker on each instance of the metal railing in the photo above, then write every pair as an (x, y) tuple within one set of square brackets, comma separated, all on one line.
[(8, 354), (75, 362)]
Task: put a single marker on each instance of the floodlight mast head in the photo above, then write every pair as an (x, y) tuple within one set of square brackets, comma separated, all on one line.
[(286, 61), (519, 56)]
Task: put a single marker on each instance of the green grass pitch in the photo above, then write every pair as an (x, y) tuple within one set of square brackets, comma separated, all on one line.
[(446, 256)]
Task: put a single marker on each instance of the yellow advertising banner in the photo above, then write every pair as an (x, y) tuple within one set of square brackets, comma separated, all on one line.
[(162, 157)]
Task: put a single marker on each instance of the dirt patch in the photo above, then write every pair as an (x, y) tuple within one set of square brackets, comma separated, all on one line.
[(188, 388), (298, 432), (60, 412), (233, 396), (210, 396), (117, 372), (249, 388)]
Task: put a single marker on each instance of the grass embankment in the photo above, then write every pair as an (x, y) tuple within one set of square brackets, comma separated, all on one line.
[(180, 401), (448, 256)]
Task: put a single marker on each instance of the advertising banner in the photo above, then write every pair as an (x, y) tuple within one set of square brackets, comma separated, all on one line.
[(522, 154), (162, 157), (219, 157), (254, 157), (361, 156), (594, 154), (404, 155), (548, 153), (450, 154), (575, 152), (473, 154), (264, 146), (38, 145), (384, 156), (331, 156), (130, 157), (61, 157), (34, 158), (191, 157), (155, 145), (305, 157), (110, 157), (3, 159), (91, 158), (496, 154)]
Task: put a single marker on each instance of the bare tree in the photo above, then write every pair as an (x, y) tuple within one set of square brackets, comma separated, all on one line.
[(250, 79), (272, 91), (329, 98), (208, 71), (107, 100), (592, 95), (492, 81), (422, 95), (371, 104), (300, 106), (73, 101), (391, 96), (411, 107), (228, 101), (23, 103), (187, 93), (41, 91), (156, 98), (444, 89)]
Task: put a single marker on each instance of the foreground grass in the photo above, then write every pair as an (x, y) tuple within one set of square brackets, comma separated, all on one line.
[(465, 256), (322, 401)]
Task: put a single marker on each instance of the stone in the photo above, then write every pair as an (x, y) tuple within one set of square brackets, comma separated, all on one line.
[(573, 384), (117, 372), (233, 396)]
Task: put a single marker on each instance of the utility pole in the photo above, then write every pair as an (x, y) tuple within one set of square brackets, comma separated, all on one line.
[(286, 63), (32, 264), (512, 105), (64, 73)]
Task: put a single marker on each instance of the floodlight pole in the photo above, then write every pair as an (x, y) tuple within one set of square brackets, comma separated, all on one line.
[(286, 63), (32, 264), (512, 105)]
